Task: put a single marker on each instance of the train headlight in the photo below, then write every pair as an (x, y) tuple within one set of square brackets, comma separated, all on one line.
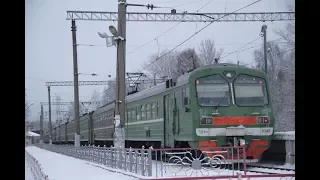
[(206, 120), (263, 120)]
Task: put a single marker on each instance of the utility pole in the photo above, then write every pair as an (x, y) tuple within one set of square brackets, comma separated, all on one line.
[(50, 125), (154, 79), (41, 125), (119, 140), (264, 31), (76, 86)]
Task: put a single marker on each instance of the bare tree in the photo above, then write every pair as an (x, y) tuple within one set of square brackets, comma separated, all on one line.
[(95, 97), (281, 68), (163, 67), (70, 114), (109, 93), (208, 53), (26, 104), (187, 60), (288, 34), (175, 64)]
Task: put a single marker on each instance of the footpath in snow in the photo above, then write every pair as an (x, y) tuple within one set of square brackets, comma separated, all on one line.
[(61, 167)]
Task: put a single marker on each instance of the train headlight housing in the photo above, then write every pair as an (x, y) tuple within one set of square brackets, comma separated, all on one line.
[(206, 120), (263, 120)]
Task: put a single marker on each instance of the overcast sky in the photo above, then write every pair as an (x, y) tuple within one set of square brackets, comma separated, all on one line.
[(49, 41)]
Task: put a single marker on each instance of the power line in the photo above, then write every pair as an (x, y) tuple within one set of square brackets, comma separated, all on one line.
[(187, 3), (220, 44), (249, 47), (197, 33), (241, 47), (237, 51), (154, 39), (263, 59)]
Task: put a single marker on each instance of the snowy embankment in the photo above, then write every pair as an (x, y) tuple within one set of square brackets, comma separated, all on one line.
[(60, 167), (28, 173)]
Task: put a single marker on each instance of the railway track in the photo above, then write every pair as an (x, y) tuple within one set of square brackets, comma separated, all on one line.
[(269, 170)]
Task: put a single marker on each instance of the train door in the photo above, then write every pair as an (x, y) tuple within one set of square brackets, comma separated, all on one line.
[(168, 121)]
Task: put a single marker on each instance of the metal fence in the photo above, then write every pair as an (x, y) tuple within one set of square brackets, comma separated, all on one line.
[(35, 168), (165, 163), (137, 161), (189, 162)]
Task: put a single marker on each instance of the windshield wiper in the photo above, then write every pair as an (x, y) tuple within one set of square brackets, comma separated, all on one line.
[(225, 95)]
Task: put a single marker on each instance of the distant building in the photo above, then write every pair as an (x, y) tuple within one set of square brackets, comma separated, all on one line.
[(32, 138)]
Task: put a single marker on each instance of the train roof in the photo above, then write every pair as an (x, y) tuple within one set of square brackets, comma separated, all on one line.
[(160, 88)]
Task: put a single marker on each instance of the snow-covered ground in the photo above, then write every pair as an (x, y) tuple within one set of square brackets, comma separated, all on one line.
[(28, 172), (60, 167)]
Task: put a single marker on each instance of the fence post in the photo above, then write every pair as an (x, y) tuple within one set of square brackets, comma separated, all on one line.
[(104, 155), (120, 160), (244, 159), (98, 154), (130, 159), (90, 153), (137, 160), (142, 161), (150, 161), (125, 154), (112, 154)]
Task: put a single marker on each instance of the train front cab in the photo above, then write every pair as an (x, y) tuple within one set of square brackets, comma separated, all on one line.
[(232, 107)]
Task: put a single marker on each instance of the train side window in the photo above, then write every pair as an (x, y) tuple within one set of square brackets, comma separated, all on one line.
[(154, 113), (129, 115), (138, 114), (148, 110), (186, 99), (143, 113), (133, 114), (185, 95)]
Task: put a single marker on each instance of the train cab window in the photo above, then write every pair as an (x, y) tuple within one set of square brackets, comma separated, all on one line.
[(213, 90), (250, 91), (148, 110), (143, 113), (153, 111)]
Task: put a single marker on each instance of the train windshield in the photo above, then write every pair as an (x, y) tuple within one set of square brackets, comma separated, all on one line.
[(250, 91), (213, 91)]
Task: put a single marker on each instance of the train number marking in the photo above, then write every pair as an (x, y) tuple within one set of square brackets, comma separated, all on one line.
[(266, 131), (202, 131)]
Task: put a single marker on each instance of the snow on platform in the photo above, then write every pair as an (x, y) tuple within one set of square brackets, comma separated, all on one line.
[(61, 167)]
